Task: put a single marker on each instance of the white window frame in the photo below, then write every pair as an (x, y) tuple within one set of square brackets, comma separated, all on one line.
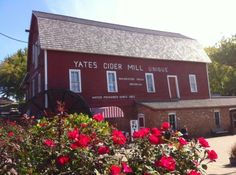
[(176, 83), (39, 83), (153, 84), (35, 54), (141, 116), (172, 113), (217, 111), (193, 83), (108, 83), (79, 83)]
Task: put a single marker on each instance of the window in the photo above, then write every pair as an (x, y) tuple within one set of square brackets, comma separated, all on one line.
[(193, 82), (172, 120), (150, 82), (35, 53), (217, 118), (111, 81), (75, 80), (141, 120), (39, 82), (234, 120)]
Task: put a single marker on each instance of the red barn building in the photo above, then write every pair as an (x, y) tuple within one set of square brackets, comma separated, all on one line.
[(136, 77)]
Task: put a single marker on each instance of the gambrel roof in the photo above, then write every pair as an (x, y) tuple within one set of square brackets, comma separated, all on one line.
[(57, 32)]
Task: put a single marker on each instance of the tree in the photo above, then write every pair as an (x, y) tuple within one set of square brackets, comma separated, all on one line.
[(222, 70), (225, 51), (12, 72), (222, 79)]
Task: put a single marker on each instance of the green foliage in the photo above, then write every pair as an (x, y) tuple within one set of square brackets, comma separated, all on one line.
[(78, 144), (12, 72), (41, 158), (222, 71), (224, 52), (222, 79), (10, 139)]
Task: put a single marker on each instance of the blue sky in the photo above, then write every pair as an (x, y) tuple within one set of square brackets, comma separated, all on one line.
[(205, 20), (15, 17)]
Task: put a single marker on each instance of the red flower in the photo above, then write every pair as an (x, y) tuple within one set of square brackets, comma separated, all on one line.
[(156, 132), (103, 150), (182, 141), (126, 168), (83, 125), (115, 170), (118, 137), (166, 162), (11, 123), (62, 160), (74, 145), (98, 117), (83, 140), (137, 134), (193, 172), (203, 142), (42, 124), (165, 126), (212, 155), (11, 134), (153, 139), (144, 131), (141, 133), (74, 134), (49, 143)]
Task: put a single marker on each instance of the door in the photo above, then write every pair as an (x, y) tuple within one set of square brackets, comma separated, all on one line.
[(173, 86), (172, 121)]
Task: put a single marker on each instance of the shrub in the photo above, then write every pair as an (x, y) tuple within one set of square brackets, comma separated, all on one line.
[(78, 144), (162, 152)]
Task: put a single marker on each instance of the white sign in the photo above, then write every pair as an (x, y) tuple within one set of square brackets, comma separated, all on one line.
[(107, 97), (133, 127)]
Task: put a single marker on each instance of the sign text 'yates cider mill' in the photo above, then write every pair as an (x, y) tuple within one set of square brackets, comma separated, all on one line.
[(117, 66)]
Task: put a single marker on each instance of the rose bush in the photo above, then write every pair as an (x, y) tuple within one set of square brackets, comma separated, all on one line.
[(161, 151), (78, 144), (11, 136), (70, 144)]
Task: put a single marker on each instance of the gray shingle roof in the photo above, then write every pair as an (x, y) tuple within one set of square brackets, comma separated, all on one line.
[(57, 32), (184, 104)]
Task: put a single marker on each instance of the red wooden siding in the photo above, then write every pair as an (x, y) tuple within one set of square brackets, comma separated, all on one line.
[(130, 77)]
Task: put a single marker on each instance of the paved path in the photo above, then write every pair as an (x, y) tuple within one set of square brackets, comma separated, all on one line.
[(222, 146)]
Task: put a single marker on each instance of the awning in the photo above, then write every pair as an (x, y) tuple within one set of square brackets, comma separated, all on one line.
[(109, 111)]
